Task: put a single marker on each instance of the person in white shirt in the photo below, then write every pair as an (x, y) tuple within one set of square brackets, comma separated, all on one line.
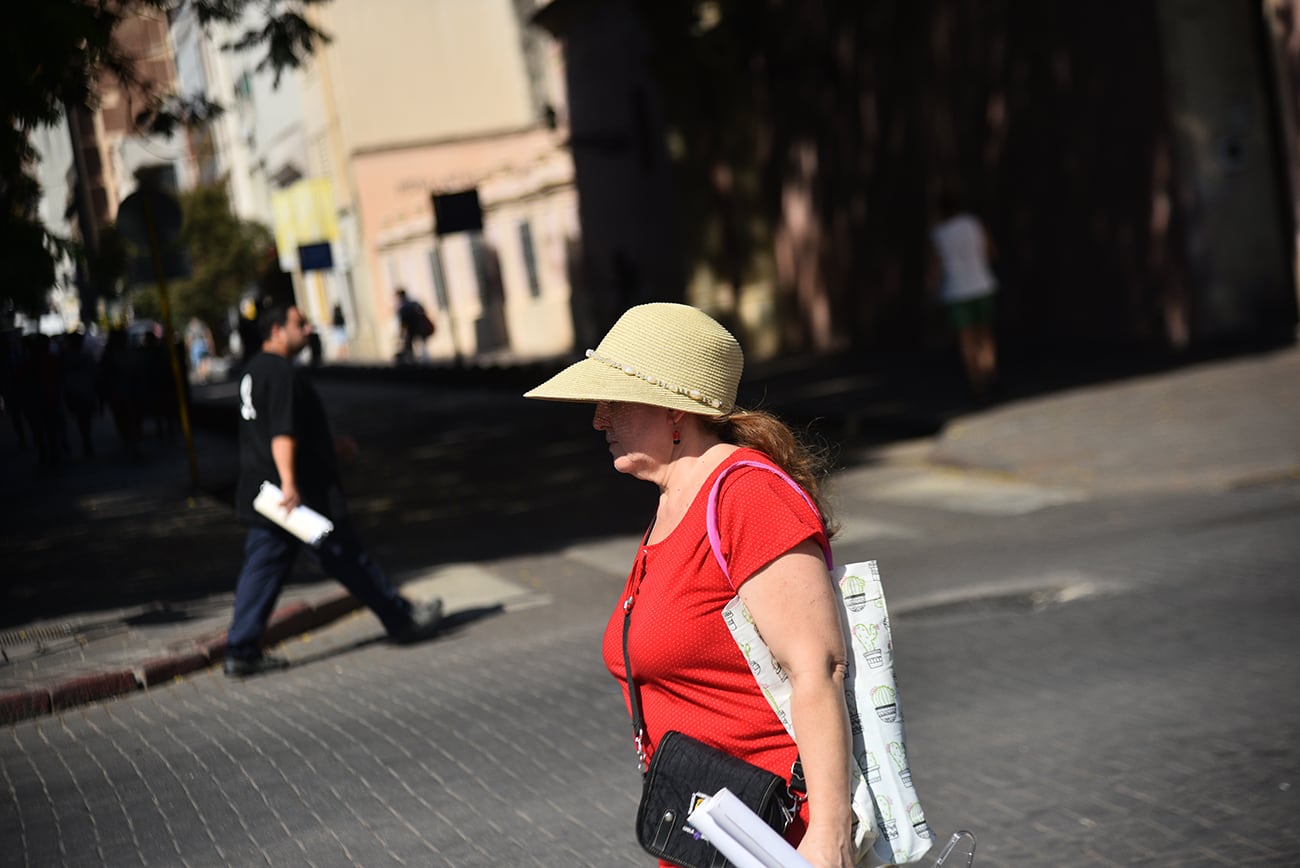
[(964, 250)]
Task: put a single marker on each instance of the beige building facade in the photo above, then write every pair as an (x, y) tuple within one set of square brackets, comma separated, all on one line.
[(417, 98)]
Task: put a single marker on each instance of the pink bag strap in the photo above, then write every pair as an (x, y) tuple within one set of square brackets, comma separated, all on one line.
[(711, 517)]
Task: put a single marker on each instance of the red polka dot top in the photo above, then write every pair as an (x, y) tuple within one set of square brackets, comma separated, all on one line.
[(691, 675)]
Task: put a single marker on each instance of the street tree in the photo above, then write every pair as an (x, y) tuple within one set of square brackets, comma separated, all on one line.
[(54, 54), (228, 256)]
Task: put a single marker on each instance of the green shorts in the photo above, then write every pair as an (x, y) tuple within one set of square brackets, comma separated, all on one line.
[(975, 311)]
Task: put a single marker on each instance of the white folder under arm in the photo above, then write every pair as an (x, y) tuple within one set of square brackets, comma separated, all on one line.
[(303, 522)]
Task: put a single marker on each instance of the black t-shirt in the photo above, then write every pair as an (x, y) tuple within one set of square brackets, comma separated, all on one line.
[(277, 399)]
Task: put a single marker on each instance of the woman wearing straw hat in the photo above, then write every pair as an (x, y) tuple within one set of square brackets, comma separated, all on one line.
[(664, 384)]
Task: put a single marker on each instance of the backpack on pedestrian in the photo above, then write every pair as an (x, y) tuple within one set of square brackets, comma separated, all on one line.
[(417, 320)]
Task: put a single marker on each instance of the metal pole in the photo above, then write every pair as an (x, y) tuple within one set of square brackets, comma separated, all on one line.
[(169, 334)]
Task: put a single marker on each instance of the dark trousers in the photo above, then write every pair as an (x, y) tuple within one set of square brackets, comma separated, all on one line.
[(269, 555)]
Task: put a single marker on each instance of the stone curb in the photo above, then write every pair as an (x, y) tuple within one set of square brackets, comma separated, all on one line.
[(160, 669), (24, 704), (88, 688), (287, 621)]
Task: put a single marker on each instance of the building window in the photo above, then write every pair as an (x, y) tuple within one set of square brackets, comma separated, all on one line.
[(439, 278), (530, 258), (479, 252)]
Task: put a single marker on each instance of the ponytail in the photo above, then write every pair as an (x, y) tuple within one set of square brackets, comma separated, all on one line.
[(765, 433)]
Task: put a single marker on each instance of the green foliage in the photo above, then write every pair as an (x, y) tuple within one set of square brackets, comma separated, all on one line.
[(227, 256), (289, 40), (52, 52), (29, 264), (145, 304)]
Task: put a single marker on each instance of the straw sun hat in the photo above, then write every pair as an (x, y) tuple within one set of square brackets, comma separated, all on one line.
[(666, 355)]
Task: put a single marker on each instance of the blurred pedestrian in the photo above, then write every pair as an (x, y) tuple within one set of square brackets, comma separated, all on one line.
[(285, 439), (198, 343), (250, 340), (968, 287), (120, 375), (663, 381), (339, 332), (40, 384), (315, 351), (11, 355), (157, 396), (80, 392), (414, 327)]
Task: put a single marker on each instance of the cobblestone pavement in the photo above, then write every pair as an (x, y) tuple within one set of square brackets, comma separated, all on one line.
[(1115, 686), (1092, 674)]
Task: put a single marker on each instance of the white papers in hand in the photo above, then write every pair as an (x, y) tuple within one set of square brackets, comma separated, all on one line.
[(741, 835), (303, 522)]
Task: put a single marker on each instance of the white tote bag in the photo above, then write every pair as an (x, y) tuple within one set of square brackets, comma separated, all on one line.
[(889, 827)]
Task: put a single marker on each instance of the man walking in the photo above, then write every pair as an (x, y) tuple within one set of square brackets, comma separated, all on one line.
[(284, 438), (413, 324)]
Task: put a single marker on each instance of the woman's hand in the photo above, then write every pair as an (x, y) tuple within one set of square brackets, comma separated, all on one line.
[(826, 846)]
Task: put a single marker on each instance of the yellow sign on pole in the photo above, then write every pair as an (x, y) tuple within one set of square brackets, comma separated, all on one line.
[(304, 213)]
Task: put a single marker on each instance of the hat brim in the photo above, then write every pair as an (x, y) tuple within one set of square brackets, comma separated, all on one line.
[(588, 381)]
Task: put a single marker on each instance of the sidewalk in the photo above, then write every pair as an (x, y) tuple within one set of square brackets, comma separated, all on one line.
[(143, 567), (1216, 424)]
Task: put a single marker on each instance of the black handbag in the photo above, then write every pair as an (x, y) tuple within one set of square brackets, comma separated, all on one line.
[(683, 772)]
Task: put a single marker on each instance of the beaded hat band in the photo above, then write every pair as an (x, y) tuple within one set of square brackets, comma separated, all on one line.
[(662, 354)]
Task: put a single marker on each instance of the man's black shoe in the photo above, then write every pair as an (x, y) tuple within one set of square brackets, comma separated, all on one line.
[(425, 618), (242, 667)]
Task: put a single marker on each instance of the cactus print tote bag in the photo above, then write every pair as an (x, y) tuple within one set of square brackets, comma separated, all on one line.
[(890, 827)]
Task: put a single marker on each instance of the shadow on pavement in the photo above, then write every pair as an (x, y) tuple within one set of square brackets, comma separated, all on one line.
[(452, 469), (447, 628)]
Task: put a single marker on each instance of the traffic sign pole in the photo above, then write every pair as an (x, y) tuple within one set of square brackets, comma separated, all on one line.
[(169, 335)]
